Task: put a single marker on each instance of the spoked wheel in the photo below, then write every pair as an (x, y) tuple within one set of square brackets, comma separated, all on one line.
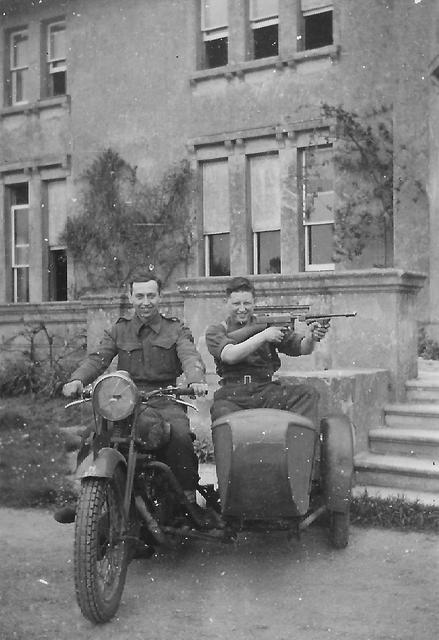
[(339, 529), (101, 555)]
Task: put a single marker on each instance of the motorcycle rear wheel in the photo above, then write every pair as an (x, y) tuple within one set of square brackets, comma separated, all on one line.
[(101, 555)]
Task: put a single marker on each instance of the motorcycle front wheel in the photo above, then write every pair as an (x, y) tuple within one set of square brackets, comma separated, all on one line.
[(101, 555)]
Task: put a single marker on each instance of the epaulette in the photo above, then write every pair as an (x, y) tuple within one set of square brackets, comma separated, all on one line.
[(122, 319)]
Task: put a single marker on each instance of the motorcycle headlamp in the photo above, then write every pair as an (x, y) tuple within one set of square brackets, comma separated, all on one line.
[(115, 396)]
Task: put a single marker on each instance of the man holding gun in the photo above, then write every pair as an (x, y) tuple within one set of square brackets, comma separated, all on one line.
[(246, 356)]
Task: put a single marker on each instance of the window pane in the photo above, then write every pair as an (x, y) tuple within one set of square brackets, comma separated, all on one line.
[(58, 83), (216, 53), (19, 50), (57, 42), (216, 209), (265, 41), (21, 226), (21, 285), (21, 255), (219, 254), (319, 184), (57, 275), (265, 192), (19, 83), (269, 252), (263, 9), (20, 193), (320, 244), (214, 14), (318, 30), (57, 210)]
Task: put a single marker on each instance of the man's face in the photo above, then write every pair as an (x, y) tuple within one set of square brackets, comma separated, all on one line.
[(240, 305), (145, 298)]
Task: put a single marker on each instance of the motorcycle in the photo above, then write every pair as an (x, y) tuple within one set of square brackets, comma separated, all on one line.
[(275, 470)]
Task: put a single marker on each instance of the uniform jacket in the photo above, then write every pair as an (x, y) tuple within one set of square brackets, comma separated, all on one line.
[(263, 362), (154, 352)]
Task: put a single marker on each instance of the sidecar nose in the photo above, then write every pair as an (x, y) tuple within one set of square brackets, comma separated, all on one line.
[(264, 460)]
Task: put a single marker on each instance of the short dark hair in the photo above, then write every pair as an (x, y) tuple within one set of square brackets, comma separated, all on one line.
[(146, 278), (239, 284)]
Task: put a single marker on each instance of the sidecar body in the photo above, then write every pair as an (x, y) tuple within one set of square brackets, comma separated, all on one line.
[(268, 460)]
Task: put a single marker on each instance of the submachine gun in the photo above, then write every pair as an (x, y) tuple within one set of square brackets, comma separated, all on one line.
[(283, 319)]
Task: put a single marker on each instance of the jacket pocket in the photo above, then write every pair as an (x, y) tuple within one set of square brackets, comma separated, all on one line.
[(130, 358), (164, 360)]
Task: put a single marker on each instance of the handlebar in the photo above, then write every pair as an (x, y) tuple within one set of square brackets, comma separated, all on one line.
[(177, 392)]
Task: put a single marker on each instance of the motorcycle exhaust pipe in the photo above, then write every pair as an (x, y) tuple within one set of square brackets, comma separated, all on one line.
[(151, 522)]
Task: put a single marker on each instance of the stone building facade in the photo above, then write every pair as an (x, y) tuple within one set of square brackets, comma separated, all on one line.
[(235, 87)]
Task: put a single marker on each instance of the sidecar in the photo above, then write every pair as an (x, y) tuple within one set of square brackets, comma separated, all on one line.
[(277, 470)]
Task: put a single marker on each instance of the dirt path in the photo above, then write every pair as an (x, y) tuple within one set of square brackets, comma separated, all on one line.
[(383, 586)]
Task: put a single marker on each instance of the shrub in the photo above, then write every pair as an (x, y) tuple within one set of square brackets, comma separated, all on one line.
[(427, 347)]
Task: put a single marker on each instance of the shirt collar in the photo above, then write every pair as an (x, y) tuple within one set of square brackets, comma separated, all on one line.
[(232, 324), (154, 323)]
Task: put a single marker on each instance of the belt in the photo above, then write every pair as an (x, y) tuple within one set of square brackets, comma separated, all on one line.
[(245, 379)]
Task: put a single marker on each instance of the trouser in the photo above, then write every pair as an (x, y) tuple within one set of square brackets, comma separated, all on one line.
[(178, 453), (298, 398)]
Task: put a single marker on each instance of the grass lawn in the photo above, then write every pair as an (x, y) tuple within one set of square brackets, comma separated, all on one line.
[(33, 460)]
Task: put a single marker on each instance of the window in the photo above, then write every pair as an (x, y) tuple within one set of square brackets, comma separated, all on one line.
[(57, 259), (18, 66), (317, 23), (19, 198), (264, 22), (214, 23), (317, 188), (216, 218), (265, 207), (56, 59)]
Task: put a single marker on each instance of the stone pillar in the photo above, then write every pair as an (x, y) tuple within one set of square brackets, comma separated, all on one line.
[(36, 240), (240, 233), (288, 27), (238, 31), (290, 234)]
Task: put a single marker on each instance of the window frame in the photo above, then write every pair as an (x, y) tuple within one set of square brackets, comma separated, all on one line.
[(55, 65), (329, 8), (15, 69), (307, 225), (18, 265)]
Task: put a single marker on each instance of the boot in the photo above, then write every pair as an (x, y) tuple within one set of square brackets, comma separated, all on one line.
[(66, 514)]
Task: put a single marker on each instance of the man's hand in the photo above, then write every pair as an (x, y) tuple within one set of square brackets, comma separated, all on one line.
[(274, 334), (73, 388), (318, 330), (200, 388)]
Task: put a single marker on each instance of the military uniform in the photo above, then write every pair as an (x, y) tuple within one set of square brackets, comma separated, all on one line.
[(248, 384), (154, 353)]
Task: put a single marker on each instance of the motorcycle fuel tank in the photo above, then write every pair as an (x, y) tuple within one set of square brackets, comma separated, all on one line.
[(264, 461)]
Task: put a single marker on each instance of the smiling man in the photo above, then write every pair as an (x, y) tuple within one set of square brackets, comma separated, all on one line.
[(246, 364), (155, 350)]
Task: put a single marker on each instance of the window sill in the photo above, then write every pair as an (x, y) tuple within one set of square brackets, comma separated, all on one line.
[(36, 107), (279, 63)]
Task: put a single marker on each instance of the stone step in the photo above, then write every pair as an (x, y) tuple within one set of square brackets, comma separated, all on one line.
[(424, 389), (426, 498), (412, 415), (417, 442), (398, 472)]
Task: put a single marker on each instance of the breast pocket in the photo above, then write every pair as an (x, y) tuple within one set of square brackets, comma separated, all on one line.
[(164, 360), (130, 358)]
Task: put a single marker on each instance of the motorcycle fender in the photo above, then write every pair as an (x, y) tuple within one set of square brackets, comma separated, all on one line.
[(337, 462), (102, 466)]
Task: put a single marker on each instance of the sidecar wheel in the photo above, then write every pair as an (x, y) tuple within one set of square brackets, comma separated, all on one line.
[(339, 529), (101, 556)]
